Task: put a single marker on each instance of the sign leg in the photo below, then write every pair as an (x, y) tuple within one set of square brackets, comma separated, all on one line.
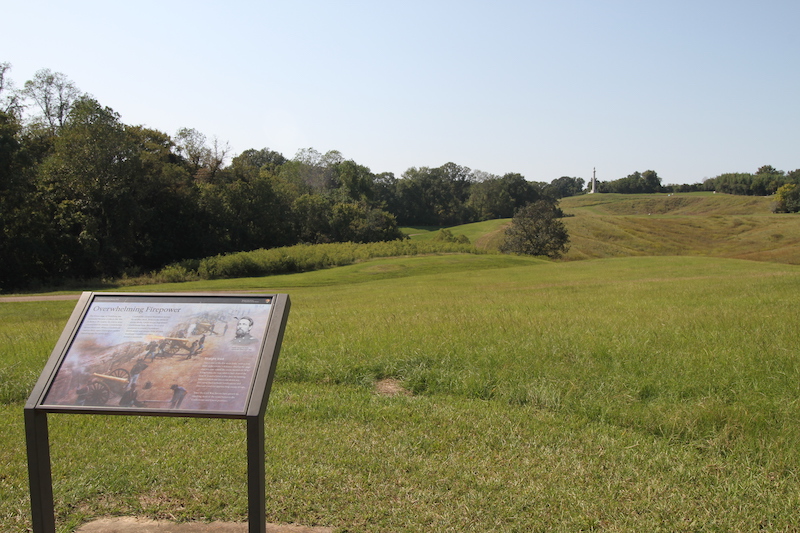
[(256, 483), (39, 475)]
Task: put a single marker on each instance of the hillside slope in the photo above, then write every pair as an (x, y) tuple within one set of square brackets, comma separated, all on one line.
[(699, 224)]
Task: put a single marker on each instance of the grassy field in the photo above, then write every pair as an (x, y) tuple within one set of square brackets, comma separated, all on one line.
[(634, 393), (625, 395)]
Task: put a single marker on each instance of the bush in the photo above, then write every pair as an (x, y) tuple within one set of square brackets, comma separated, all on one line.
[(445, 235)]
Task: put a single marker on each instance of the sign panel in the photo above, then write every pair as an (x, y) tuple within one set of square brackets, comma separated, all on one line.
[(162, 354)]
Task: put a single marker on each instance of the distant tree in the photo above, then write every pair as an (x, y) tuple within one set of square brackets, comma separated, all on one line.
[(499, 197), (205, 162), (652, 183), (55, 95), (311, 171), (537, 229), (354, 181), (766, 181), (249, 214), (311, 214), (787, 199), (248, 164), (10, 97), (564, 187), (357, 222), (384, 191), (434, 196), (684, 187), (636, 183)]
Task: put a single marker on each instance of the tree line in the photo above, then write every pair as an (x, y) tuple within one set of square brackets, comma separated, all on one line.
[(765, 181), (85, 196)]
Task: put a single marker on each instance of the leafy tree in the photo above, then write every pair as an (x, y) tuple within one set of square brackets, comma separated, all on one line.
[(118, 197), (499, 197), (311, 171), (434, 196), (767, 180), (787, 199), (55, 95), (247, 165), (384, 191), (10, 97), (354, 181), (205, 162), (311, 214), (170, 223), (24, 259), (537, 229), (564, 187), (247, 215), (357, 222), (636, 183)]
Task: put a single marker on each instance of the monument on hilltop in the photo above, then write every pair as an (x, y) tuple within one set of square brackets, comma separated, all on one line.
[(594, 181)]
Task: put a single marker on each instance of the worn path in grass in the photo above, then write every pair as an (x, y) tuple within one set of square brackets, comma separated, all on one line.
[(39, 298)]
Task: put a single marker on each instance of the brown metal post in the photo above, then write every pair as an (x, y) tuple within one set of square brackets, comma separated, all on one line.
[(39, 475), (256, 475)]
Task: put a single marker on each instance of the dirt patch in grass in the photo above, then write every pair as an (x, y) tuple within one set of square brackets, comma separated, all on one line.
[(142, 525), (391, 387)]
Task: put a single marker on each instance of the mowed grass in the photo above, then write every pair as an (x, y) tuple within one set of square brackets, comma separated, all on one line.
[(631, 394)]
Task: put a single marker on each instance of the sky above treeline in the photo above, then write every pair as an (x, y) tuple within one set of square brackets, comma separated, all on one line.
[(690, 89)]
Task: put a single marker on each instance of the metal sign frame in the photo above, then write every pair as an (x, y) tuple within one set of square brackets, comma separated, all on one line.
[(231, 375)]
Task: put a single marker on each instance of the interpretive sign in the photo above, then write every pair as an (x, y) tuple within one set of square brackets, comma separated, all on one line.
[(162, 353), (197, 355)]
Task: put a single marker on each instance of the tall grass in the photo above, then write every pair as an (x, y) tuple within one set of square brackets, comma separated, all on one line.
[(297, 258)]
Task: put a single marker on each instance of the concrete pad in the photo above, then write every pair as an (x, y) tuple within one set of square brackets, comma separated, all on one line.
[(143, 525)]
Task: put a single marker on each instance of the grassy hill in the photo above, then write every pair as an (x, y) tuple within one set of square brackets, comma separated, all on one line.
[(694, 224)]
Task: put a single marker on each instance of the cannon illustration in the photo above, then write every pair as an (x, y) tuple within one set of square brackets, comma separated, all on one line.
[(173, 345), (99, 389)]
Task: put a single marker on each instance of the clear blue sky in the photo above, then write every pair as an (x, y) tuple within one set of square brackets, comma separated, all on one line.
[(691, 89)]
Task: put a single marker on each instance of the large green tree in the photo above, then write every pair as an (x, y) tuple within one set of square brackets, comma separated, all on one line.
[(537, 229), (118, 196)]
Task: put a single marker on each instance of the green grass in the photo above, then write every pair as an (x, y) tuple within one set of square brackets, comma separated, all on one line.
[(630, 394), (474, 232)]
